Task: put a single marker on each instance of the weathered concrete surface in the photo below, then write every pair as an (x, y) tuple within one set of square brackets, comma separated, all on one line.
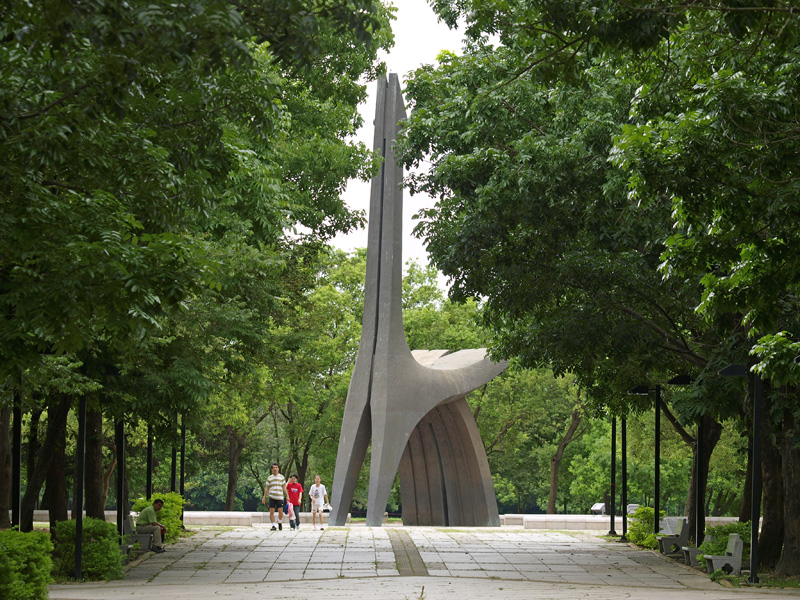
[(394, 399), (361, 562)]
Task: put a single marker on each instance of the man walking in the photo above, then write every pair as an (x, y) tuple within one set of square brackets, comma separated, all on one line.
[(276, 488)]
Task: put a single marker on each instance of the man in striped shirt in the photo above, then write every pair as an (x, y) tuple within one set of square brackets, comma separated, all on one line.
[(276, 488)]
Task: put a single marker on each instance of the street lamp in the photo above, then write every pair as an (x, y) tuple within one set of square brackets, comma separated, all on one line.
[(643, 390), (624, 502), (755, 503), (613, 511)]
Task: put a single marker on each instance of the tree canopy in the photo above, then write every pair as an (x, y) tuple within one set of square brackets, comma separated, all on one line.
[(618, 181)]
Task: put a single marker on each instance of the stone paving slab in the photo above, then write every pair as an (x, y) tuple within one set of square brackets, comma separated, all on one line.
[(360, 562)]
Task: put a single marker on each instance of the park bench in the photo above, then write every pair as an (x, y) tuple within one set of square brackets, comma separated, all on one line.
[(667, 544), (145, 540), (690, 554), (731, 561)]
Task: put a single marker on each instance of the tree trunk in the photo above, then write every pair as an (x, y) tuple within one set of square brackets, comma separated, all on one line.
[(107, 477), (5, 466), (302, 470), (33, 440), (747, 491), (789, 563), (712, 431), (57, 414), (235, 447), (770, 540), (95, 500), (555, 460), (55, 493)]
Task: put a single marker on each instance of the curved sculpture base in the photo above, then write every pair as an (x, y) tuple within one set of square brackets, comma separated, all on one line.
[(444, 473)]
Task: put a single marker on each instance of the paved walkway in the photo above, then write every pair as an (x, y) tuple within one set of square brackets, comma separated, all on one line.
[(406, 562)]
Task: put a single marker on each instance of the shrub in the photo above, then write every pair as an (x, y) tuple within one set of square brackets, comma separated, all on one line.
[(715, 540), (640, 531), (169, 515), (101, 557), (25, 564)]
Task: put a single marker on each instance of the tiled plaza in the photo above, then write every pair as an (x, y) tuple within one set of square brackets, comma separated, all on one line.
[(405, 562)]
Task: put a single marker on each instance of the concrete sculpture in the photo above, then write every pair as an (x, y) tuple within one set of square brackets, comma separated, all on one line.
[(412, 406)]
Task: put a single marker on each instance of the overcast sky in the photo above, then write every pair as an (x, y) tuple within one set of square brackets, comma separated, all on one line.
[(418, 40)]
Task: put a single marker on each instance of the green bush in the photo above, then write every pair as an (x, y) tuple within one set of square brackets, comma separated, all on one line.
[(25, 564), (101, 558), (715, 540), (640, 531), (169, 515)]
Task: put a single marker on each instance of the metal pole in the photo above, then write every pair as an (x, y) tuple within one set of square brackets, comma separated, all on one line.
[(657, 497), (755, 503), (119, 440), (624, 506), (699, 491), (183, 459), (174, 474), (16, 459), (613, 511), (78, 500), (149, 483)]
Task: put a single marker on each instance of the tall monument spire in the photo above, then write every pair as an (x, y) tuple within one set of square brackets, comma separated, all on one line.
[(411, 406)]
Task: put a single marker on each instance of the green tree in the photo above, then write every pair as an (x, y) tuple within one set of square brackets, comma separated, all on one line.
[(566, 204), (151, 151)]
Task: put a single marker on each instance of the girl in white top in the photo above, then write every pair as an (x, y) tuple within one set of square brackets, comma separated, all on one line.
[(319, 496)]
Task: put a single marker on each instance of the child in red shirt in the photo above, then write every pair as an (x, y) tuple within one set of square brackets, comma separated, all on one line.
[(295, 490)]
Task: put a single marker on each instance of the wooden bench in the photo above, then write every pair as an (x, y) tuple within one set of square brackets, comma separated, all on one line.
[(668, 544), (731, 561)]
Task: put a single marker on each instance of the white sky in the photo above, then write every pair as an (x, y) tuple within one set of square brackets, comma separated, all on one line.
[(418, 40)]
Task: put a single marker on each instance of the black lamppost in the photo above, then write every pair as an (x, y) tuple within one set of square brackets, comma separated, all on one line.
[(643, 390), (77, 501), (182, 486), (148, 488), (16, 459), (613, 511), (755, 502), (119, 440), (174, 473), (624, 500)]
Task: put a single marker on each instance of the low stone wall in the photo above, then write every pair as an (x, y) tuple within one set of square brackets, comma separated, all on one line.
[(581, 522), (248, 519), (206, 517)]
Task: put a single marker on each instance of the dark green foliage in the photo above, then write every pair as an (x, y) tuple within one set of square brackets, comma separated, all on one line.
[(716, 540), (640, 529), (169, 515), (25, 565), (101, 555)]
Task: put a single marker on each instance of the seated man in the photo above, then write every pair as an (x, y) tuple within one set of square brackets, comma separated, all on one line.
[(146, 523)]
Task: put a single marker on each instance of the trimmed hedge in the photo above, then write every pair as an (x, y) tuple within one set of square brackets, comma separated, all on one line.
[(101, 557), (25, 564), (640, 531), (169, 515)]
